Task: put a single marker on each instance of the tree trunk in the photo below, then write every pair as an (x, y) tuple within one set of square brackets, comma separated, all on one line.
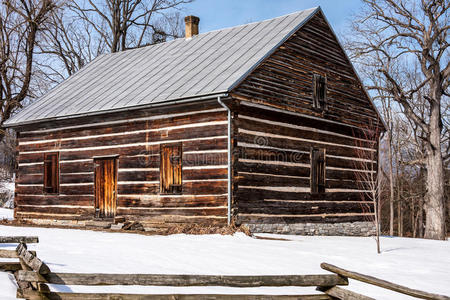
[(420, 219), (413, 217), (391, 186), (434, 199), (399, 213)]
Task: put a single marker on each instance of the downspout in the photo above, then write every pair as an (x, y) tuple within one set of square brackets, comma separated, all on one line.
[(229, 159)]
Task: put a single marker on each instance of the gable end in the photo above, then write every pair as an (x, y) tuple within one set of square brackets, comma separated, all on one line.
[(285, 78)]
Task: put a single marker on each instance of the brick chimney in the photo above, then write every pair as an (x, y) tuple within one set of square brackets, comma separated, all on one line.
[(191, 26)]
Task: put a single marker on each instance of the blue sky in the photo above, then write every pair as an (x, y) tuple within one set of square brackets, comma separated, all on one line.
[(216, 14)]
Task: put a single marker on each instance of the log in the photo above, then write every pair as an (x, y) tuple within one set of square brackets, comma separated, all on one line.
[(19, 239), (182, 280), (31, 260), (12, 253), (10, 266), (382, 283), (8, 254), (29, 294), (101, 296), (341, 293)]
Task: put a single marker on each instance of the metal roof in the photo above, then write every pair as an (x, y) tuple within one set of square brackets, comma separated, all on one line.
[(206, 64)]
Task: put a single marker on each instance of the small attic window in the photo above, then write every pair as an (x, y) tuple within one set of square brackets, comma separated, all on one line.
[(319, 92)]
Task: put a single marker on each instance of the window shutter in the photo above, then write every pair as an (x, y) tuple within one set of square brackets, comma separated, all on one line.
[(47, 175), (314, 185), (316, 79), (51, 172), (317, 171), (54, 173), (321, 171), (176, 161), (171, 169), (323, 92), (319, 91)]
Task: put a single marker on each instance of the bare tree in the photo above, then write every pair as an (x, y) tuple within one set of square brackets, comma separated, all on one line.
[(81, 30), (7, 156), (131, 23), (387, 112), (390, 35), (67, 45), (369, 175), (20, 23)]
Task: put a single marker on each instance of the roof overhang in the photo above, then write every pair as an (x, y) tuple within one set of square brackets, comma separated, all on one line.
[(122, 109)]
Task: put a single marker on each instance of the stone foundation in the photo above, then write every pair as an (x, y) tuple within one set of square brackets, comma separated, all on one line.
[(50, 222), (346, 229)]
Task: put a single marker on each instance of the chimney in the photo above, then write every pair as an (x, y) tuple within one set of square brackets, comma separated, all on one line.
[(191, 26)]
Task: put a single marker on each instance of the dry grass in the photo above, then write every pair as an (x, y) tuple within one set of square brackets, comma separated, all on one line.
[(167, 229), (207, 229)]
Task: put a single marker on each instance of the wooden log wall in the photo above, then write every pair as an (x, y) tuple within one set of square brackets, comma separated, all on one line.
[(201, 128), (272, 171), (284, 80), (276, 126)]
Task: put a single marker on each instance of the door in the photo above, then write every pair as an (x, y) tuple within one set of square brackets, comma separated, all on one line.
[(105, 187), (170, 169)]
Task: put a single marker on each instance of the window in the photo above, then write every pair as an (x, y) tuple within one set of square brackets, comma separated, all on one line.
[(319, 92), (51, 172), (317, 171), (170, 169)]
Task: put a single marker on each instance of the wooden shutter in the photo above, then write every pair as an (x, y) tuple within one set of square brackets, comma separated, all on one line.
[(317, 171), (171, 169), (323, 92), (51, 172), (319, 91), (316, 79)]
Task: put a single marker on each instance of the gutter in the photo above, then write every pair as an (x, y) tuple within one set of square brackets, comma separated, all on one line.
[(229, 159), (115, 110)]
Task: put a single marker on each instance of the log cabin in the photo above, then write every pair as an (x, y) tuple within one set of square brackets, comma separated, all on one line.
[(261, 124)]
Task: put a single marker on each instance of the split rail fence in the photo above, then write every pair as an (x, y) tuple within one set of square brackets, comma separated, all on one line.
[(33, 277)]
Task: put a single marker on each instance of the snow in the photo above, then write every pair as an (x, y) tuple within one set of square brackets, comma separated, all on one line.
[(416, 263), (8, 286), (7, 194), (6, 213)]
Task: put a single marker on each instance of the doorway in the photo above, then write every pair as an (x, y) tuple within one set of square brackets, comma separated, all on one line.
[(105, 187)]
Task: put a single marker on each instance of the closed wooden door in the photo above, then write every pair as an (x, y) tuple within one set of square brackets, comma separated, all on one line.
[(105, 187)]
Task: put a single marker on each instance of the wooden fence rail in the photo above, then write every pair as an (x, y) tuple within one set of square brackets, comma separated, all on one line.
[(100, 296), (14, 266), (183, 280), (18, 239), (33, 275), (31, 261), (382, 283)]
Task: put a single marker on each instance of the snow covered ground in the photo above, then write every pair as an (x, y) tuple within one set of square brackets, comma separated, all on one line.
[(6, 213), (7, 194), (416, 263)]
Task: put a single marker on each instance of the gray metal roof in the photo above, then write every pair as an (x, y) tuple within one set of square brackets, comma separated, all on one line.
[(209, 63)]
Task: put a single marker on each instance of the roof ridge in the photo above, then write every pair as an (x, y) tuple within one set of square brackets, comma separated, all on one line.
[(216, 30), (262, 21)]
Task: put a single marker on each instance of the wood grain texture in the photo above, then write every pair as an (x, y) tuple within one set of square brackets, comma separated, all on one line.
[(382, 283), (340, 293), (98, 296), (198, 129), (285, 79), (19, 239), (182, 280), (31, 260)]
